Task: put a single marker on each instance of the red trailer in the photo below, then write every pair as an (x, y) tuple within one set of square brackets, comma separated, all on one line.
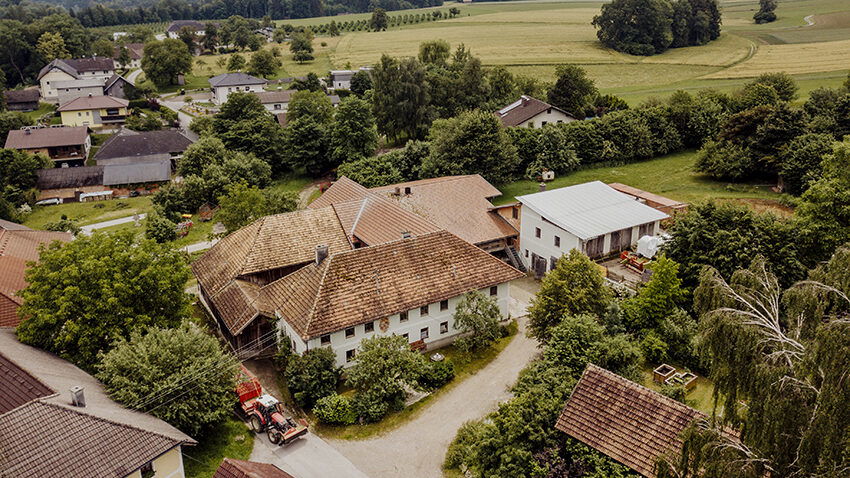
[(265, 413)]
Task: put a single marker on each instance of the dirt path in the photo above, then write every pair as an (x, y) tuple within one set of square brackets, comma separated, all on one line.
[(304, 195), (418, 448)]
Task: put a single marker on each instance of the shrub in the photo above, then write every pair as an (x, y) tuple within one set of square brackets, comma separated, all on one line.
[(335, 410), (437, 374), (370, 407), (653, 347), (312, 376)]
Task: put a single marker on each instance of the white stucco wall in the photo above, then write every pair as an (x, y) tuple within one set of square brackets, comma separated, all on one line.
[(412, 326), (48, 83), (67, 94), (220, 93), (167, 465), (271, 107), (550, 117)]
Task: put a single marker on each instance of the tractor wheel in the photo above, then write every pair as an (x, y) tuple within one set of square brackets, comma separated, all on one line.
[(256, 424), (274, 435)]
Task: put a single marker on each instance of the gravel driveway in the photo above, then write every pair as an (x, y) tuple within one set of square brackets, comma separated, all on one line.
[(418, 448)]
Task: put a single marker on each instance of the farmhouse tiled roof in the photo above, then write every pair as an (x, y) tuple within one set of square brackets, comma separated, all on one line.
[(235, 79), (366, 284), (135, 50), (33, 138), (29, 95), (626, 421), (76, 66), (93, 103), (374, 220), (523, 110), (231, 468), (19, 387), (88, 446), (130, 143), (342, 190), (12, 226)]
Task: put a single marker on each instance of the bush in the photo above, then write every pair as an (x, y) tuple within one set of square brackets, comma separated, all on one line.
[(653, 347), (370, 407), (160, 228), (312, 376), (437, 374), (335, 410), (63, 225)]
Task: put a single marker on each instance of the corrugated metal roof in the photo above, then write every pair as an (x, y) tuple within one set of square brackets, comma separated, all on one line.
[(147, 172), (591, 209), (235, 79), (81, 83)]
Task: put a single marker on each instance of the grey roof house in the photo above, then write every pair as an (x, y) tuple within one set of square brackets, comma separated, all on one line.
[(226, 83), (135, 147)]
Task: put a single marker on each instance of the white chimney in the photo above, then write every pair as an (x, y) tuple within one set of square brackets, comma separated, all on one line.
[(542, 186), (321, 253), (78, 397)]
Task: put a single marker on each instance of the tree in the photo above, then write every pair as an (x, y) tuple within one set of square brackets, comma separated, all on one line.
[(333, 29), (236, 62), (434, 52), (371, 171), (477, 317), (263, 63), (400, 98), (636, 27), (783, 353), (385, 367), (573, 91), (766, 13), (243, 205), (378, 21), (243, 124), (309, 83), (160, 228), (783, 83), (657, 298), (310, 104), (164, 60), (554, 152), (207, 150), (187, 36), (77, 38), (575, 286), (51, 45), (353, 133), (148, 122), (211, 36), (117, 284), (361, 82), (312, 376), (301, 46), (307, 145), (800, 161), (473, 142), (180, 375), (124, 57)]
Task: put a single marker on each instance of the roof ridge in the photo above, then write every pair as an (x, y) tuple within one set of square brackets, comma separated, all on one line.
[(359, 213), (262, 222), (629, 383), (312, 314)]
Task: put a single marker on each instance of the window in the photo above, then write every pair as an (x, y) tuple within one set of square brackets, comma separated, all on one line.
[(402, 317), (349, 332), (349, 355), (548, 112), (247, 88), (552, 262), (526, 253), (79, 113), (326, 339), (543, 123), (537, 232), (277, 106), (515, 213), (423, 333), (557, 241), (444, 305), (369, 327), (444, 327), (147, 470), (406, 337), (494, 291), (423, 311)]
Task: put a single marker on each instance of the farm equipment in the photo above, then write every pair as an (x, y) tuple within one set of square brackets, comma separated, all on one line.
[(265, 413), (634, 261)]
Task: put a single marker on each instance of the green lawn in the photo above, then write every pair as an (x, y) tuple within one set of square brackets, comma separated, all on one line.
[(43, 109), (672, 176), (466, 365), (231, 439), (88, 212), (700, 397)]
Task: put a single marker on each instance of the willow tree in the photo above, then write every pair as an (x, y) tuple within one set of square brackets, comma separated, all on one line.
[(780, 362)]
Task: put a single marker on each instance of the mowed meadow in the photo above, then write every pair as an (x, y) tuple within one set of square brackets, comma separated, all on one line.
[(811, 40)]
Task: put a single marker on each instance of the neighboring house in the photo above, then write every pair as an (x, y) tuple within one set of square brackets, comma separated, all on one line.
[(136, 52), (591, 217), (56, 420), (626, 421), (66, 184), (94, 111), (173, 30), (532, 113), (231, 468), (278, 101), (72, 69), (458, 204), (137, 147), (226, 83), (64, 145), (341, 79), (22, 100), (70, 90), (18, 246), (663, 204), (330, 276)]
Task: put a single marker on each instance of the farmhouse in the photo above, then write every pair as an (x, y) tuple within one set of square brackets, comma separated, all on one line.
[(173, 30), (626, 421), (330, 276), (458, 204), (231, 468), (278, 101), (64, 145), (226, 83), (114, 86), (94, 111), (591, 217), (18, 246), (43, 395), (22, 100), (138, 147), (135, 50), (73, 69), (533, 113)]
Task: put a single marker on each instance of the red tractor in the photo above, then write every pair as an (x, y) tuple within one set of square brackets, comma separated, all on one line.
[(265, 412)]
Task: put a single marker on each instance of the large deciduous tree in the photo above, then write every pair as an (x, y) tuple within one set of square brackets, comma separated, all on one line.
[(477, 316), (573, 91), (263, 63), (400, 98), (181, 375), (243, 124), (312, 376), (164, 60), (85, 295), (353, 133)]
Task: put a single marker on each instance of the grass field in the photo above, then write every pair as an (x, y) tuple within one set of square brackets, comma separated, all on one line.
[(230, 439), (672, 176), (88, 212)]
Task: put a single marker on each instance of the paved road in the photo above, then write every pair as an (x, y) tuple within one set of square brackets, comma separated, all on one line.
[(133, 75), (200, 246), (87, 230), (185, 120), (418, 448)]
